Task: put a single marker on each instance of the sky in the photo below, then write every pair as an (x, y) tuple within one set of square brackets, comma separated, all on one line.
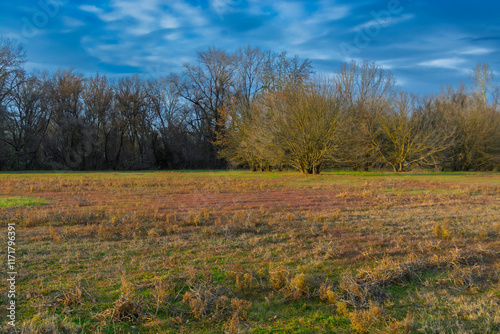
[(425, 44)]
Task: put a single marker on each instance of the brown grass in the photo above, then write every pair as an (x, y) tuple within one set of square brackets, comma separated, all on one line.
[(242, 252)]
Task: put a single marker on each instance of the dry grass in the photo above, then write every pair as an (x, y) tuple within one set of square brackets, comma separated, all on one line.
[(123, 309), (248, 252), (363, 320)]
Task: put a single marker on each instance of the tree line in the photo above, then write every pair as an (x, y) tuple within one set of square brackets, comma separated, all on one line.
[(248, 108)]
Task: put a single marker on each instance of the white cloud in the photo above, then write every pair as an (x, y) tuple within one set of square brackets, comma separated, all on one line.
[(386, 64), (314, 54), (302, 26), (72, 22), (327, 14), (169, 21), (101, 14), (289, 10), (137, 19), (126, 22), (476, 51), (384, 22), (223, 6), (91, 9), (449, 63), (187, 14), (173, 36)]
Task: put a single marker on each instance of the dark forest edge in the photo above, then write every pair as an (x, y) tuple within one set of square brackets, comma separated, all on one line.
[(248, 108)]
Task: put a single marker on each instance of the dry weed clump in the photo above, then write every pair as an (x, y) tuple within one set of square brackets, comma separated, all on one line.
[(368, 284), (233, 325), (240, 309), (327, 295), (38, 218), (207, 300), (45, 323), (326, 250), (70, 297), (358, 294), (127, 289), (468, 277), (240, 222), (162, 288), (342, 309), (108, 232), (54, 235), (124, 310), (389, 271), (442, 231), (300, 286), (244, 281), (394, 326), (362, 320), (467, 256), (243, 219), (278, 278)]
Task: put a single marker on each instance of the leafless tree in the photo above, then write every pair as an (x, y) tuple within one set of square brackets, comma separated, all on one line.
[(302, 124), (243, 135), (475, 127), (99, 112), (69, 138), (26, 120), (249, 107), (282, 71), (482, 78), (407, 135), (12, 58), (135, 119), (365, 90), (250, 65), (207, 85), (169, 122)]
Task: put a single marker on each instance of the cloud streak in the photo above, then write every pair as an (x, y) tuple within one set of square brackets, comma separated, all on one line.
[(426, 44), (449, 63)]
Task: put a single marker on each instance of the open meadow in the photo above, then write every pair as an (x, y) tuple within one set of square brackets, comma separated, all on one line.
[(243, 252)]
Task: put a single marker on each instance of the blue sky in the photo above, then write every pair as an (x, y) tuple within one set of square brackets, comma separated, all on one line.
[(426, 44)]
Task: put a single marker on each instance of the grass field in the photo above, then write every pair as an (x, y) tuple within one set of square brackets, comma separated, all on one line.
[(234, 252)]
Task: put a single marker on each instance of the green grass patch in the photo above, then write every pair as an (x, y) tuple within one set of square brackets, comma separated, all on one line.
[(8, 202)]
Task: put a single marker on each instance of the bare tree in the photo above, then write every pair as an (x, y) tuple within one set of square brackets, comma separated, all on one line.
[(242, 135), (482, 78), (135, 119), (245, 138), (26, 120), (250, 72), (281, 71), (496, 98), (70, 139), (169, 122), (12, 58), (206, 86), (364, 91), (475, 126), (250, 107), (303, 124), (99, 112), (406, 136)]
